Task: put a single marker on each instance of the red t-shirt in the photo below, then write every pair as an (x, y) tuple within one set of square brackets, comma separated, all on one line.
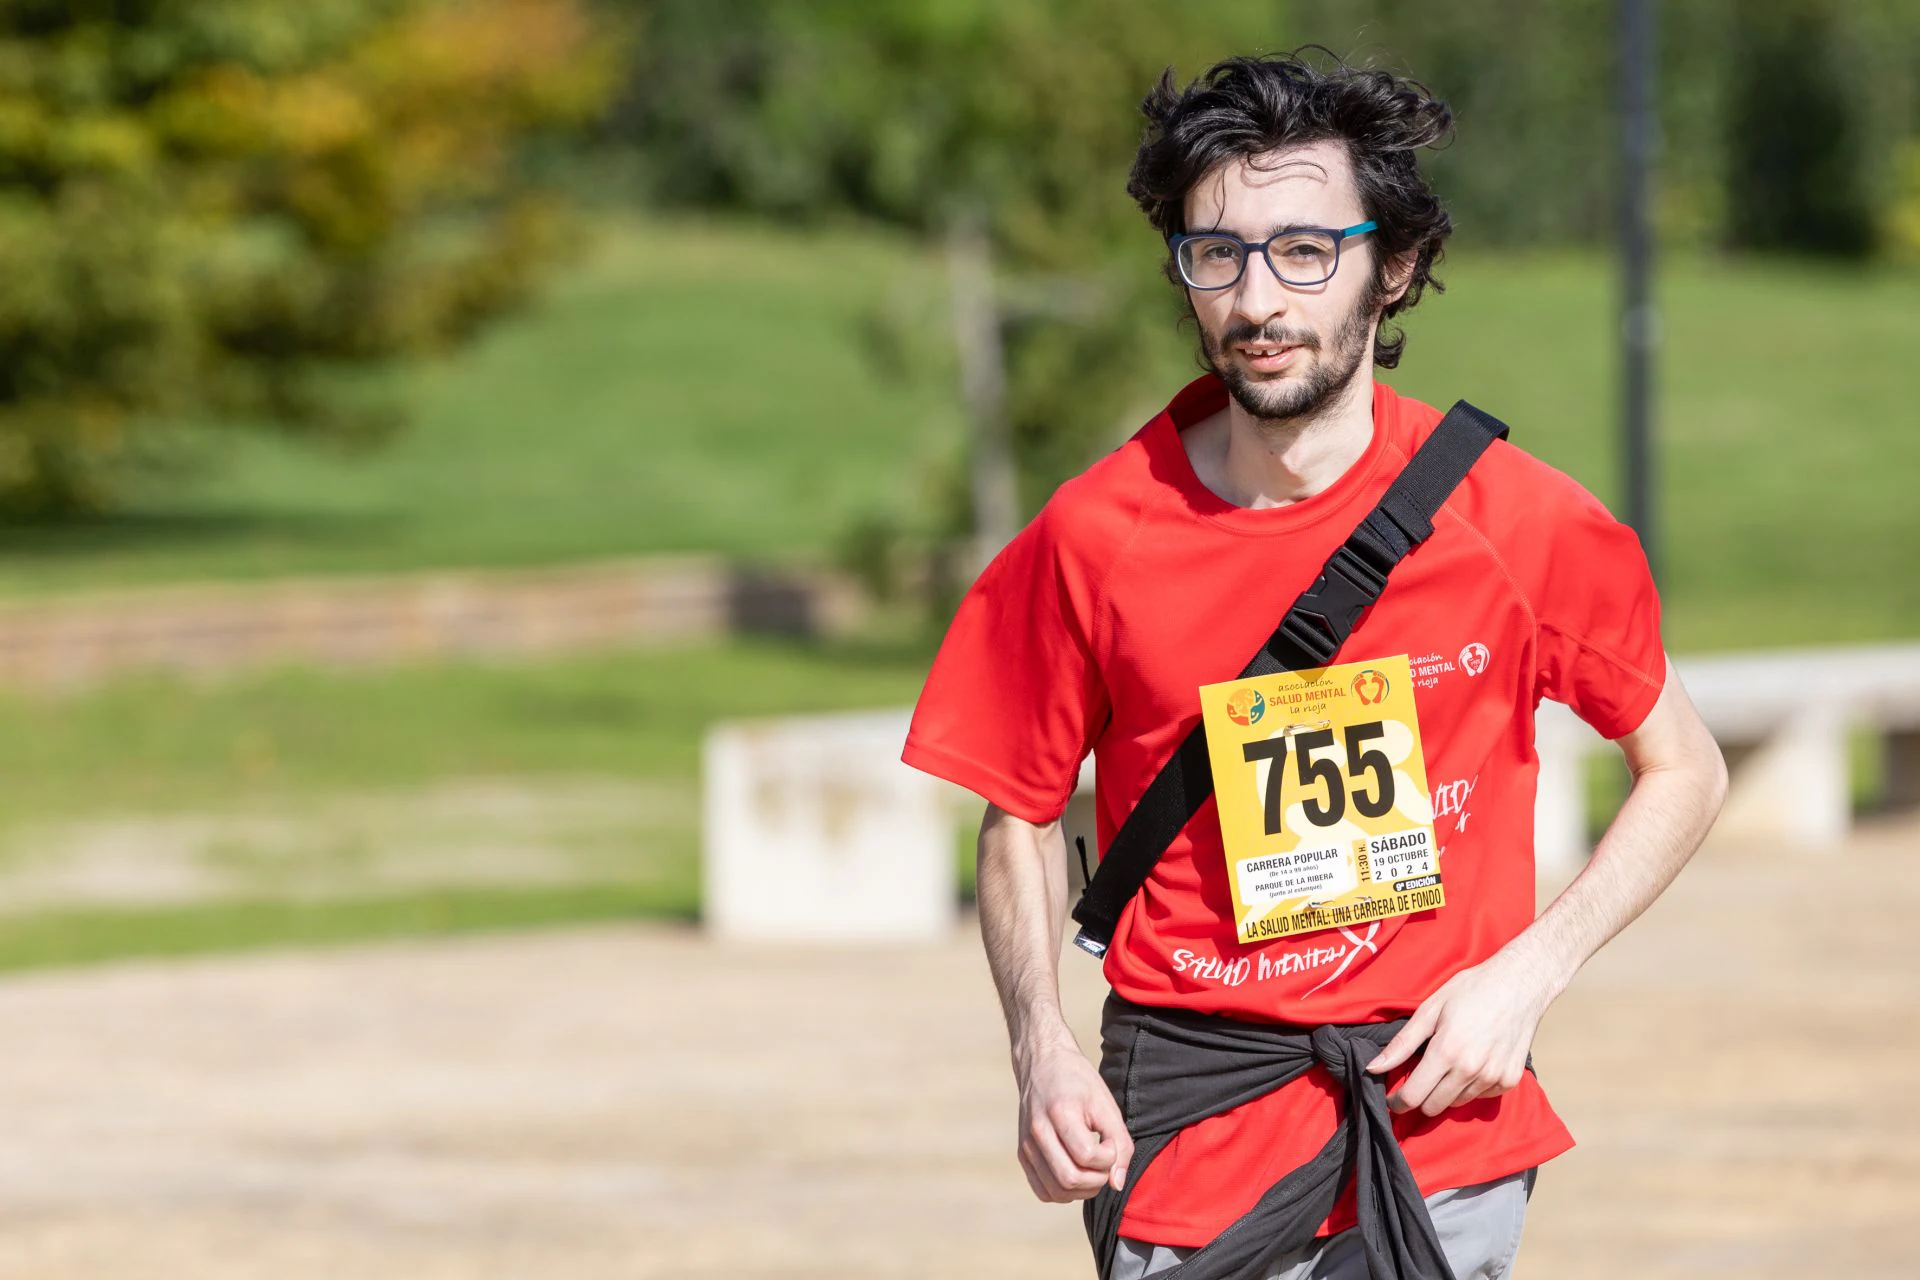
[(1093, 630)]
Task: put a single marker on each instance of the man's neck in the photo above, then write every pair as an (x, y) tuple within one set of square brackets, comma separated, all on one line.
[(1268, 462)]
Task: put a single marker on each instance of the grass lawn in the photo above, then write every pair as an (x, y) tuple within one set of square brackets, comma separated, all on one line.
[(89, 936), (679, 389), (240, 787), (159, 745), (1785, 429), (713, 388)]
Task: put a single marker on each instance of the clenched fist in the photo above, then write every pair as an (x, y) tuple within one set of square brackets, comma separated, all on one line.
[(1072, 1139)]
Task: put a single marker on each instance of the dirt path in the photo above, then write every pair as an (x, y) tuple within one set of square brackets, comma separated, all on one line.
[(636, 1103)]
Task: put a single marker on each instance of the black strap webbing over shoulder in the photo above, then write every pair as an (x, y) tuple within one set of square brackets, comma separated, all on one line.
[(1309, 636)]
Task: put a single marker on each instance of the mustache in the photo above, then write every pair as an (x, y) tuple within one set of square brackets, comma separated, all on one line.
[(1275, 334)]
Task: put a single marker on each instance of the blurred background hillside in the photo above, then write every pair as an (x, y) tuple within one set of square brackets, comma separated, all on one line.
[(366, 290)]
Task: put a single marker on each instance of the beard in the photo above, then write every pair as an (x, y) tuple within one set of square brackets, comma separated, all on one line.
[(1332, 369)]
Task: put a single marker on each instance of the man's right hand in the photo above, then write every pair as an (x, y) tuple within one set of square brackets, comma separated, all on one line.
[(1072, 1138)]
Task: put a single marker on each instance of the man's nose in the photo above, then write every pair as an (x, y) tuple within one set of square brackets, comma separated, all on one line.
[(1259, 296)]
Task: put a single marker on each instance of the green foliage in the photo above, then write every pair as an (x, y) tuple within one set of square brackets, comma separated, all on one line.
[(1779, 118), (1903, 214), (1021, 112), (901, 109), (204, 202), (1795, 178), (914, 112), (1024, 112), (1533, 157)]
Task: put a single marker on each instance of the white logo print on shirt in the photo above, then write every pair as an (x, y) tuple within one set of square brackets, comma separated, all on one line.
[(1359, 944), (1231, 973), (1475, 658), (1450, 800)]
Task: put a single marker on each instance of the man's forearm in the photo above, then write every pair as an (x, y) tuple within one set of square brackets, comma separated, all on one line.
[(1023, 905), (1478, 1027), (1073, 1139), (1665, 817)]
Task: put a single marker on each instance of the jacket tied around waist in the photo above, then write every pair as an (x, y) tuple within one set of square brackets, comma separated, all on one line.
[(1172, 1068)]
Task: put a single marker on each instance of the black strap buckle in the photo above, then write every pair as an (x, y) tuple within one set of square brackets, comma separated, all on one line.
[(1322, 619)]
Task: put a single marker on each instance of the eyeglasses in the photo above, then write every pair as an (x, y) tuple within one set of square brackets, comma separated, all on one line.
[(1298, 256)]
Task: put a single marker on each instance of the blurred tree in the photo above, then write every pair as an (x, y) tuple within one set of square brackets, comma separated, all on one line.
[(1882, 46), (1531, 87), (915, 111), (908, 111), (1796, 177), (1903, 214), (1023, 113), (204, 203)]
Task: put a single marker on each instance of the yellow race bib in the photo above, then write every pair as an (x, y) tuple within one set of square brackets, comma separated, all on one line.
[(1322, 788)]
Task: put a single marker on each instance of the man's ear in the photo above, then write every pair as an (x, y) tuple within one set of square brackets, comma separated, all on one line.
[(1399, 274)]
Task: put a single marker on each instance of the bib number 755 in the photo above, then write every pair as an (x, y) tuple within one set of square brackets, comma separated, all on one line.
[(1328, 808)]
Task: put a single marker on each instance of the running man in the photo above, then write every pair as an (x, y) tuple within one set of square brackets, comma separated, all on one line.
[(1389, 950)]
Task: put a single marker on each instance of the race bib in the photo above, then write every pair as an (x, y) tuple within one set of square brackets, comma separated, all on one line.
[(1322, 789)]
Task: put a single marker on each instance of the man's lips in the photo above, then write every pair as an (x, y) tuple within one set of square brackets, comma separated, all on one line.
[(1267, 357)]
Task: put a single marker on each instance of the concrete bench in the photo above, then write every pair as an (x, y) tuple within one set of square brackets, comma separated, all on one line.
[(1783, 718), (814, 829)]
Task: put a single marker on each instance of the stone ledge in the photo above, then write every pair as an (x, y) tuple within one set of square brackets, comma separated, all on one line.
[(68, 642)]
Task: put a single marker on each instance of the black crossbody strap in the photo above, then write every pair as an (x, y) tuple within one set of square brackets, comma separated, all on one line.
[(1309, 636)]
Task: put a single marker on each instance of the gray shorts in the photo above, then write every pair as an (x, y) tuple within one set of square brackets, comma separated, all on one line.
[(1479, 1230)]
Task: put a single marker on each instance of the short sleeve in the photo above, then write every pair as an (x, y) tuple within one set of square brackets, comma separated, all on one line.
[(1600, 650), (1014, 698)]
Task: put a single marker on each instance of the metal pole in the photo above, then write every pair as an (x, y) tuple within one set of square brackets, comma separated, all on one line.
[(1638, 320)]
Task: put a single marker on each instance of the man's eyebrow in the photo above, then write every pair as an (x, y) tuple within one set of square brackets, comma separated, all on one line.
[(1275, 229), (1284, 228)]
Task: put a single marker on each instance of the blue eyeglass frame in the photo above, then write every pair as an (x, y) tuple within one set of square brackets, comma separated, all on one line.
[(1340, 236)]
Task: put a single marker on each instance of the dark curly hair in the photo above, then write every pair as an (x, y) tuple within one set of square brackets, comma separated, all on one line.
[(1249, 106)]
